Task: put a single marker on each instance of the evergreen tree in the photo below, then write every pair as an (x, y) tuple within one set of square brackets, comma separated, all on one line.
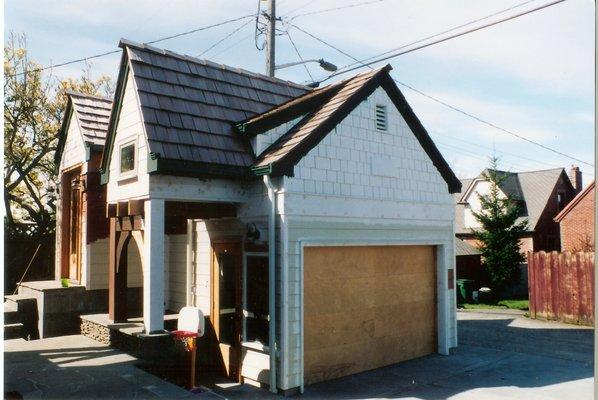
[(500, 231)]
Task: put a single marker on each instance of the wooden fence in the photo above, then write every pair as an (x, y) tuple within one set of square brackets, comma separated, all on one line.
[(561, 286)]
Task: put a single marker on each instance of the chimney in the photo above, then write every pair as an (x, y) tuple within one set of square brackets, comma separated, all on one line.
[(575, 178)]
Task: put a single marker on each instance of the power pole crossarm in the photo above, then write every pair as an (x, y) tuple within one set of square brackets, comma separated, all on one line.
[(271, 37)]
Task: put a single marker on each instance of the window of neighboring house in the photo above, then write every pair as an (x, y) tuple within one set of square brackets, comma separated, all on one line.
[(381, 118), (256, 311), (127, 159), (561, 200)]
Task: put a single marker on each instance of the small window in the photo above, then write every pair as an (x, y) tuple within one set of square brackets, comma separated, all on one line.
[(127, 158), (256, 307), (381, 122)]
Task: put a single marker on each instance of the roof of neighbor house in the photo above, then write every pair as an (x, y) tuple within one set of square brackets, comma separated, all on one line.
[(532, 188), (573, 203), (465, 249), (199, 116), (92, 114)]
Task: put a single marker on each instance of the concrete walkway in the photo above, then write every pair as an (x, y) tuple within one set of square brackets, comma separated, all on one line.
[(79, 368), (500, 356)]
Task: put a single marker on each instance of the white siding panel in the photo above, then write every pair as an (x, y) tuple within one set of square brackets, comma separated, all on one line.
[(129, 128)]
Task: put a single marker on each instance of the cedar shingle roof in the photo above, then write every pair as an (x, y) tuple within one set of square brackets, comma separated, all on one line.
[(189, 106), (533, 188), (92, 115)]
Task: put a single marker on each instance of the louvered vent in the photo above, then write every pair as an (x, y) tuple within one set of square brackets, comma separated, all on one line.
[(381, 122)]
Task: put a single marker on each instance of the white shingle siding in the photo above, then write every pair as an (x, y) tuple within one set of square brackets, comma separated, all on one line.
[(129, 128), (359, 186), (74, 149)]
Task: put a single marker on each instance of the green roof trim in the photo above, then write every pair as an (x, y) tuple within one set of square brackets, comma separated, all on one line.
[(195, 169), (262, 170)]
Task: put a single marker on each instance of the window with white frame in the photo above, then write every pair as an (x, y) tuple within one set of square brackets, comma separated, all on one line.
[(127, 158), (256, 313)]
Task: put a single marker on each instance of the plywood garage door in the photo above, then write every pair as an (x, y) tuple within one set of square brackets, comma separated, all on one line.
[(367, 307)]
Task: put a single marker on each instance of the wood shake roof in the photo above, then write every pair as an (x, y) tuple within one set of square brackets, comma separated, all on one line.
[(190, 106), (92, 114), (199, 116)]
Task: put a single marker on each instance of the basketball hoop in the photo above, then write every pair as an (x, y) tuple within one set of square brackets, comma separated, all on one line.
[(187, 338)]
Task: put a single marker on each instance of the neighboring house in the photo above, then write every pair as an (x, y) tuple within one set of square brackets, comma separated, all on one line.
[(469, 263), (235, 187), (540, 194), (576, 221)]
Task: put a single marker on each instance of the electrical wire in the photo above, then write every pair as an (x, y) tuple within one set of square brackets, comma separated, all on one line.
[(335, 8), (203, 28), (454, 108), (443, 32), (369, 63), (225, 37), (299, 55), (483, 121)]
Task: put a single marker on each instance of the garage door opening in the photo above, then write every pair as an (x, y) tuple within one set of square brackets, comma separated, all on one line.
[(366, 307)]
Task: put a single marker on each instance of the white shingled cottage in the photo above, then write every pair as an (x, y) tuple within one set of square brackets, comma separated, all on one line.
[(314, 228)]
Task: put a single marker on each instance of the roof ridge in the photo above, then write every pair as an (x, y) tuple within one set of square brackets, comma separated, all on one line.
[(208, 63), (75, 93), (576, 200)]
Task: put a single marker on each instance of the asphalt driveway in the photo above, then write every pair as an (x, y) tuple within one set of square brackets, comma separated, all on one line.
[(500, 356)]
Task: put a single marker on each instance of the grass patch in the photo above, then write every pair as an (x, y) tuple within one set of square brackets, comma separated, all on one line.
[(515, 304), (512, 304)]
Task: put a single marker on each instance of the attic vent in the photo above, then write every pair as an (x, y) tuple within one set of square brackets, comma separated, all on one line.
[(381, 123)]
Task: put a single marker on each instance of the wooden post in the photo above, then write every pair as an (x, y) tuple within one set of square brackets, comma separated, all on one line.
[(117, 274), (193, 353)]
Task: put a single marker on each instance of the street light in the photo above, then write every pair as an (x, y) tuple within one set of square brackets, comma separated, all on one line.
[(327, 66)]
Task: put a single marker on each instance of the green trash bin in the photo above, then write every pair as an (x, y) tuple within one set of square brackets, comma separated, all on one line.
[(464, 291)]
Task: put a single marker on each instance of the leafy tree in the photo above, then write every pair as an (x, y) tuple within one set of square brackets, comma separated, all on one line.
[(500, 230), (33, 110), (34, 104)]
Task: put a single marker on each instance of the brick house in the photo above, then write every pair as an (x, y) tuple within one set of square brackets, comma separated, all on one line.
[(576, 221), (541, 195)]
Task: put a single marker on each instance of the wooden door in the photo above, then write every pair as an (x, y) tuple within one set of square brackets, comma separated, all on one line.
[(226, 305), (75, 229)]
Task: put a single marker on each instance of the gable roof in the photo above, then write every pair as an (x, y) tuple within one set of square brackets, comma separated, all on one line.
[(463, 248), (533, 188), (325, 109), (92, 114), (189, 108), (573, 203)]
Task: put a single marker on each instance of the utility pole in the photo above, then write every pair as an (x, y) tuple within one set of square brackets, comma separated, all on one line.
[(270, 38)]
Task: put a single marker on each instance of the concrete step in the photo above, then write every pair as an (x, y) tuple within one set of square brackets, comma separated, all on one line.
[(13, 331), (15, 298), (11, 317)]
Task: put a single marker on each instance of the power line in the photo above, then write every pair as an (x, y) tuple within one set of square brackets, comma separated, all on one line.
[(225, 37), (336, 8), (326, 43), (299, 55), (454, 108), (443, 32), (118, 51), (444, 39)]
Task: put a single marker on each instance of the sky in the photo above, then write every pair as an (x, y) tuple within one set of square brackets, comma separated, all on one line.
[(533, 76)]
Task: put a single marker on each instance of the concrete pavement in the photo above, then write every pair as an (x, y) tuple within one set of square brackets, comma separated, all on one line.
[(500, 356)]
